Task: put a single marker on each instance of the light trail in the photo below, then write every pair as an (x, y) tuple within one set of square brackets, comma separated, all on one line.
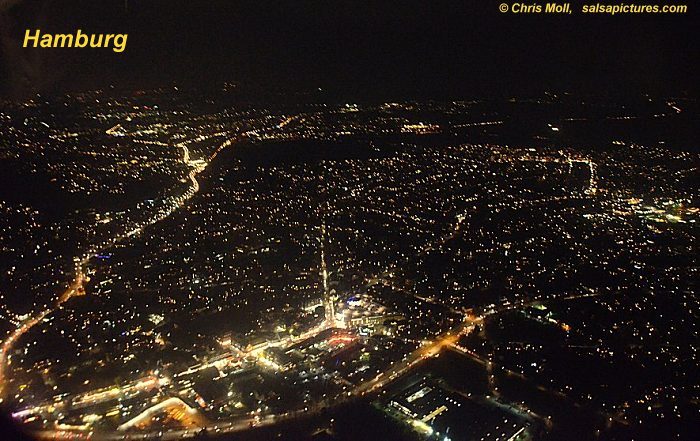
[(76, 286), (152, 411)]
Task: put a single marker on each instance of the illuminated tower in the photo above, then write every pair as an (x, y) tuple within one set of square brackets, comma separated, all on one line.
[(328, 300)]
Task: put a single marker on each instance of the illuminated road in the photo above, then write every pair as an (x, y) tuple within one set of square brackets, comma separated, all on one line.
[(76, 286), (592, 167), (446, 339), (172, 404)]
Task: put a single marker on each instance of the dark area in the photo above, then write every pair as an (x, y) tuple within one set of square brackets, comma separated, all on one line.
[(353, 48)]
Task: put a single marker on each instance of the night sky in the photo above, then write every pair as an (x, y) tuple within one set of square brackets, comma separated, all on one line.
[(407, 48)]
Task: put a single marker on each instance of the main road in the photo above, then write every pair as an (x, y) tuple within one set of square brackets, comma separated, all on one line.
[(76, 286)]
